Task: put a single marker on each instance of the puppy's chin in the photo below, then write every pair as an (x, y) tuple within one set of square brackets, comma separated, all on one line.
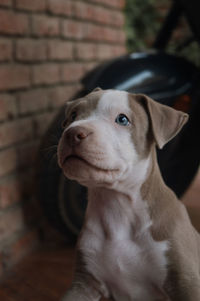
[(89, 175)]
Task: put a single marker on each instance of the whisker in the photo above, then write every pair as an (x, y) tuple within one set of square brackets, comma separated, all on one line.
[(53, 160), (48, 150)]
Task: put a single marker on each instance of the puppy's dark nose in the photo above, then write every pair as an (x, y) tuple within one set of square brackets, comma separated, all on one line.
[(75, 135)]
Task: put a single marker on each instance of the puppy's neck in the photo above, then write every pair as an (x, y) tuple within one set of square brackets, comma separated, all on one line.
[(115, 214), (119, 209), (132, 203)]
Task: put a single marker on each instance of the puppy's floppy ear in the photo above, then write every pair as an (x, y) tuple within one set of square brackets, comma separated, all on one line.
[(165, 121)]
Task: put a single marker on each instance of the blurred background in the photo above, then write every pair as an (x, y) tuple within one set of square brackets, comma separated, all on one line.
[(46, 47), (143, 20)]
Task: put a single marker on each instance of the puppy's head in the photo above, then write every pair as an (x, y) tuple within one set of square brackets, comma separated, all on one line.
[(108, 135)]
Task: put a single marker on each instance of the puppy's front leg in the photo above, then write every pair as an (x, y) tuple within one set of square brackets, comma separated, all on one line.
[(84, 286), (81, 292)]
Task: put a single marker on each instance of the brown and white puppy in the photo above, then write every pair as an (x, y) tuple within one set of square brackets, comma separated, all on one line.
[(137, 243)]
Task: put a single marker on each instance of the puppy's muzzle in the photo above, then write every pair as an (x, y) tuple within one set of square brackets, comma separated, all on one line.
[(75, 135), (72, 139)]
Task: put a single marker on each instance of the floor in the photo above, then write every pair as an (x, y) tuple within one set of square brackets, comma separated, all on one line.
[(45, 274), (42, 276)]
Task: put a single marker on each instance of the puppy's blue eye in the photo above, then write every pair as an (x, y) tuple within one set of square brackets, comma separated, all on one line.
[(122, 119)]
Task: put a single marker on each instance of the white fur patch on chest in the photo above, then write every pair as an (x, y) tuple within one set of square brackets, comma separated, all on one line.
[(120, 252)]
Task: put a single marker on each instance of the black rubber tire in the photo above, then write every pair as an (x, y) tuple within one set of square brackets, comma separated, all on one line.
[(64, 201)]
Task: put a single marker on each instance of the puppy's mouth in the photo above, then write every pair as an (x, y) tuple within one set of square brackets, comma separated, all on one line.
[(74, 158)]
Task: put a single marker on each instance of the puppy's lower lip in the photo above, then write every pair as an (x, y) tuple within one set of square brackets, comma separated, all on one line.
[(67, 158), (72, 157), (75, 157)]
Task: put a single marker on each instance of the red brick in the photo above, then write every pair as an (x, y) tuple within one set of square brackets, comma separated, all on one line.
[(32, 101), (74, 29), (11, 222), (86, 51), (10, 192), (8, 109), (45, 26), (61, 7), (14, 77), (111, 35), (31, 50), (15, 132), (91, 12), (46, 74), (117, 19), (36, 5), (72, 72), (105, 51), (6, 2), (122, 3), (95, 32), (5, 50), (112, 3), (107, 34), (13, 23), (104, 34), (102, 15), (59, 95), (60, 50), (18, 188), (8, 161), (82, 30), (85, 10)]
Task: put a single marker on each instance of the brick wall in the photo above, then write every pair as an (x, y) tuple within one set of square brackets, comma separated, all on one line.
[(46, 46)]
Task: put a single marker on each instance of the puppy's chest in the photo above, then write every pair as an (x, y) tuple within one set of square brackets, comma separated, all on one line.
[(120, 252)]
